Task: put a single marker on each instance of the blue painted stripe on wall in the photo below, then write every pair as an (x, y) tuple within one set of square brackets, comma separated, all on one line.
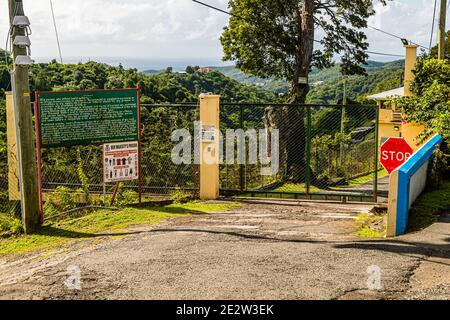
[(405, 172)]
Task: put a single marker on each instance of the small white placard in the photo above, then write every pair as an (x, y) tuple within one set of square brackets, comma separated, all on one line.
[(120, 161), (208, 134)]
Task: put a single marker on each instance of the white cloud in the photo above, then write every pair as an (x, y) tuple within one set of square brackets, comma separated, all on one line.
[(149, 29), (177, 29), (410, 19)]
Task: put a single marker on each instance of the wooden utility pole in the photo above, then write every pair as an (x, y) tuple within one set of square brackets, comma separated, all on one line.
[(23, 117), (441, 45)]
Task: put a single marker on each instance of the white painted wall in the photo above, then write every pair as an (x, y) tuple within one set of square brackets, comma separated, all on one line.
[(418, 183)]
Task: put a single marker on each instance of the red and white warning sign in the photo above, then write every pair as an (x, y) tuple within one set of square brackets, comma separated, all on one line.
[(120, 161), (394, 153)]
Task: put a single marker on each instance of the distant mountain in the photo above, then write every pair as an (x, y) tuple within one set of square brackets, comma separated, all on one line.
[(327, 84), (277, 86), (152, 72)]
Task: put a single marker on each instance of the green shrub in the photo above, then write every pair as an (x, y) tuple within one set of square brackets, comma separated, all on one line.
[(10, 225), (60, 200), (426, 210), (126, 197), (181, 196)]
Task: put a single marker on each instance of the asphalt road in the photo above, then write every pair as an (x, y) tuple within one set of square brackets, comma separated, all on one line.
[(261, 250)]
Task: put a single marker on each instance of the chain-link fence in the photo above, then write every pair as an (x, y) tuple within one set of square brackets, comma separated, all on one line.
[(74, 176), (324, 150), (160, 174)]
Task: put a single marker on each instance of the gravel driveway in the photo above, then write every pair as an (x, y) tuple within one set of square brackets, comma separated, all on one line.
[(261, 250)]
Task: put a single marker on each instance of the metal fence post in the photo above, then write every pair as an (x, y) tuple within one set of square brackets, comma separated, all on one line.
[(308, 149), (242, 165), (375, 177)]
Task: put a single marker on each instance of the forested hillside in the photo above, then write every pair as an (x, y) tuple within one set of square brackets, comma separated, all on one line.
[(79, 168), (327, 84), (166, 87)]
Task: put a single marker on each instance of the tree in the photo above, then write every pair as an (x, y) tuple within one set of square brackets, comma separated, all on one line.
[(189, 70), (276, 39), (430, 104)]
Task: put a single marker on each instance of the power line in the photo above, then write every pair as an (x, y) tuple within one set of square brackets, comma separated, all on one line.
[(318, 41), (432, 24), (385, 54), (215, 8), (395, 36), (56, 31)]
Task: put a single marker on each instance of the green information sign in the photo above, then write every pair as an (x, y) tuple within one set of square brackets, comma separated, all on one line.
[(88, 117)]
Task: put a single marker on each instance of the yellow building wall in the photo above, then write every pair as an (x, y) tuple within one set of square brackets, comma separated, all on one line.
[(410, 131), (385, 115), (387, 130)]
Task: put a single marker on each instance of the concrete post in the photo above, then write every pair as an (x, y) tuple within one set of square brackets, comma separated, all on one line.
[(410, 63), (13, 168), (411, 130), (209, 146)]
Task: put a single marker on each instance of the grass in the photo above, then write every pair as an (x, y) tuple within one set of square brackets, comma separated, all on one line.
[(9, 225), (362, 180), (371, 225), (426, 210), (301, 187), (367, 178), (101, 223), (296, 187)]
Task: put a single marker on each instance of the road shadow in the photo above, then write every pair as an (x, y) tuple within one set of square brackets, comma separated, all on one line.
[(402, 248), (51, 231), (394, 246)]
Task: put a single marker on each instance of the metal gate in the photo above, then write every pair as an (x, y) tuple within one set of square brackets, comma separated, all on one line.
[(326, 152)]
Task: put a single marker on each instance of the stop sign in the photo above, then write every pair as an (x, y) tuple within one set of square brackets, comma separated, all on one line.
[(395, 152)]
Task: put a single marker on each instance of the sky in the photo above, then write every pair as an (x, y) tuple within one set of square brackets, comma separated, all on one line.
[(158, 33)]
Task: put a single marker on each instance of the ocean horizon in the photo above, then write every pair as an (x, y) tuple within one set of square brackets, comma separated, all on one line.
[(141, 64)]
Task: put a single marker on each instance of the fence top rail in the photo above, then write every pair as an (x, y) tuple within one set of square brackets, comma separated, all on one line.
[(312, 105), (173, 105)]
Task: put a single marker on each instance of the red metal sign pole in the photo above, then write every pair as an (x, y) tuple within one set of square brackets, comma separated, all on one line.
[(38, 152)]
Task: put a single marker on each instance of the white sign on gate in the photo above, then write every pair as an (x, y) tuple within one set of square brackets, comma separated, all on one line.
[(120, 161)]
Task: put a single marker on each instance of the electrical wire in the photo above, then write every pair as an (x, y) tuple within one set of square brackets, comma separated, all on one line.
[(9, 41), (432, 24), (385, 54), (56, 31), (318, 41), (8, 36), (395, 36)]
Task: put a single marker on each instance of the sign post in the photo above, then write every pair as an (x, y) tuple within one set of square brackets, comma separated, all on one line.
[(394, 153)]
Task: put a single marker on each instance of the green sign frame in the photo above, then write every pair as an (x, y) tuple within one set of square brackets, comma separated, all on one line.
[(74, 118)]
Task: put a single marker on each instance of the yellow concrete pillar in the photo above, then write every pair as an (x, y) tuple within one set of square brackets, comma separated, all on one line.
[(209, 146), (411, 130), (410, 64), (13, 169)]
